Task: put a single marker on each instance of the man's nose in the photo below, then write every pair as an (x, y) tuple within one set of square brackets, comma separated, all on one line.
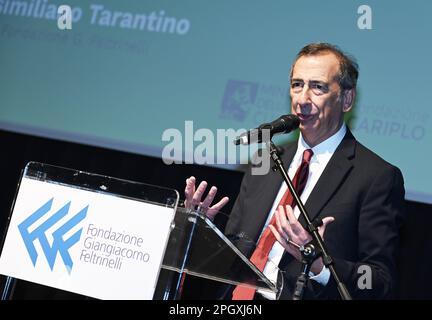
[(304, 97)]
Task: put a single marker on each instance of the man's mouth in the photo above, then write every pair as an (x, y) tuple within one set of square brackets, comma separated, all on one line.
[(305, 117)]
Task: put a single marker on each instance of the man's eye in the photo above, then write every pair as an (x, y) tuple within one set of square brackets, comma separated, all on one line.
[(319, 88), (296, 85)]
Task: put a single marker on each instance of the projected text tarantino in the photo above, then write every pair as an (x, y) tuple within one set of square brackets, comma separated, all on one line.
[(155, 21)]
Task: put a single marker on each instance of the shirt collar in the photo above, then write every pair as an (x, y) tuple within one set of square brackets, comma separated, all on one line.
[(325, 148)]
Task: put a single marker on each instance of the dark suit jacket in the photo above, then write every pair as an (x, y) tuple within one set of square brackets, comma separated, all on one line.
[(365, 195)]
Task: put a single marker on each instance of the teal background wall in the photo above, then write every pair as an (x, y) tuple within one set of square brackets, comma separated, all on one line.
[(106, 83)]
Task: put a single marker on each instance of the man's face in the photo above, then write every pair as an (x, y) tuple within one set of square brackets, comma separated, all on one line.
[(316, 97)]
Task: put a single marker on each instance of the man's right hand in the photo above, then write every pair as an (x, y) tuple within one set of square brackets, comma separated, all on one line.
[(193, 198)]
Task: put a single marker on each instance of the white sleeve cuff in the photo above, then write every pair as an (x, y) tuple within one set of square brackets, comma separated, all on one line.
[(322, 278)]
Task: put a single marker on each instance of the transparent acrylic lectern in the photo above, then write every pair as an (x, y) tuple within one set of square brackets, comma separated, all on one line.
[(197, 247), (63, 221)]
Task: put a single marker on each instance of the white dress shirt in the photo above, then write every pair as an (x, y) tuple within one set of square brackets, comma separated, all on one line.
[(322, 154)]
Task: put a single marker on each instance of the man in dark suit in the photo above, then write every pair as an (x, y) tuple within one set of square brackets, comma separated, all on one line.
[(358, 195)]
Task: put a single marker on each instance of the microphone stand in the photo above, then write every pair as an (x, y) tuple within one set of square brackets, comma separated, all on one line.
[(314, 248)]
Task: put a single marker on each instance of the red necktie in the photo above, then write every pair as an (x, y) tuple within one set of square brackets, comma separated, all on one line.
[(260, 255)]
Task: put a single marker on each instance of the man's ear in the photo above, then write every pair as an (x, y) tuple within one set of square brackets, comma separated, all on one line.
[(348, 99)]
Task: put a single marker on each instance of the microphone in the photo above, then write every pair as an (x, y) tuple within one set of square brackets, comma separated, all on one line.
[(283, 124)]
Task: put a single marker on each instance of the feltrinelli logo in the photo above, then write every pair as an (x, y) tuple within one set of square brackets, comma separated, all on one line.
[(42, 233)]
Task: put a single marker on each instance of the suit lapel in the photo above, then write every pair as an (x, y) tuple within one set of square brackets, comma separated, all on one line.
[(269, 186), (331, 178), (288, 155), (333, 175), (274, 179)]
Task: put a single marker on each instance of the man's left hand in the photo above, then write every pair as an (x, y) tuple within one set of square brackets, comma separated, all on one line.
[(288, 228)]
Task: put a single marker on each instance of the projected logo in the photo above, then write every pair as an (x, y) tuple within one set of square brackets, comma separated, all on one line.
[(42, 231), (238, 99), (253, 103)]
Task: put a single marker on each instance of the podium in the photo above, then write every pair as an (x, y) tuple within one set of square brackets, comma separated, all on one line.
[(198, 248), (78, 235)]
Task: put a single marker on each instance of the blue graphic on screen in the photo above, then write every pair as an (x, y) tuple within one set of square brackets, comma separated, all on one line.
[(59, 245), (238, 97)]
